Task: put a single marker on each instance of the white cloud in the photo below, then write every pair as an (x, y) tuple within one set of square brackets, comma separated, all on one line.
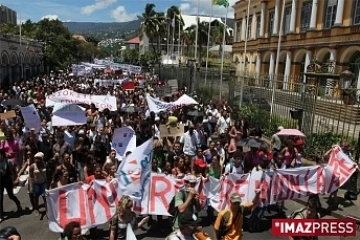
[(50, 17), (190, 7), (120, 15), (98, 5)]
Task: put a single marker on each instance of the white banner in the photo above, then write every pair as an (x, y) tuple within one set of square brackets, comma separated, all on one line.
[(152, 193), (134, 175), (70, 97), (157, 106), (109, 83), (31, 117), (81, 70), (123, 140), (68, 115)]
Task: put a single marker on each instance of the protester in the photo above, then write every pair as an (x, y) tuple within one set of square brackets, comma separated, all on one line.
[(7, 171), (187, 200), (229, 222), (124, 216), (72, 231), (10, 233), (187, 227)]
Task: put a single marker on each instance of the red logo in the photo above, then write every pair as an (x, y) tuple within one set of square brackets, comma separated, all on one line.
[(345, 227)]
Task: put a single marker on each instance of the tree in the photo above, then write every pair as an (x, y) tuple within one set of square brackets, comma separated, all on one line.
[(131, 56), (218, 34), (92, 39), (202, 36)]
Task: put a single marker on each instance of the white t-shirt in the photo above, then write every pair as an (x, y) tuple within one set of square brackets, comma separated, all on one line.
[(238, 170), (222, 125)]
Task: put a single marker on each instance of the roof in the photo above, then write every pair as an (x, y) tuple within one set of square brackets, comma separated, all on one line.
[(191, 20), (79, 37), (135, 40)]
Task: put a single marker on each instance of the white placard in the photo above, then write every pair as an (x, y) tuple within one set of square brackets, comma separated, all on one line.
[(68, 115), (124, 140), (31, 117)]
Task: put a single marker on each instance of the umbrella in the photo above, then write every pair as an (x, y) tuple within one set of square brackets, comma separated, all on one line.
[(291, 132), (250, 142), (13, 102), (195, 113)]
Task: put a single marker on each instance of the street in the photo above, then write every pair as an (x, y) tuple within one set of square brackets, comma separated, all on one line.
[(32, 227)]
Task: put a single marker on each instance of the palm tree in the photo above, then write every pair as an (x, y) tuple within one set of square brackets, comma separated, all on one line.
[(171, 15), (188, 39), (219, 37), (202, 36), (152, 25)]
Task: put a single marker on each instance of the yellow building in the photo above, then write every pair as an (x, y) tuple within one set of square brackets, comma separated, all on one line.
[(325, 30)]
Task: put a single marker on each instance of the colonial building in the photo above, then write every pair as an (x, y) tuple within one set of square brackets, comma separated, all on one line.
[(325, 30), (19, 60)]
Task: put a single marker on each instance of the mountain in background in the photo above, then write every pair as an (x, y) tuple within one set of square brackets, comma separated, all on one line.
[(106, 30)]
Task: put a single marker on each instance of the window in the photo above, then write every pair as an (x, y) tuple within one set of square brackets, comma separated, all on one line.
[(249, 28), (238, 30), (357, 12), (287, 20), (330, 13), (271, 23), (305, 16), (258, 25)]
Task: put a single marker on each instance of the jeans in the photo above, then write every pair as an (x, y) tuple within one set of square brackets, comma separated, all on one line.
[(8, 185), (255, 217), (80, 166)]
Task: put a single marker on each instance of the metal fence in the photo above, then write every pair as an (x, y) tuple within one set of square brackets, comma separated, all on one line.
[(330, 114)]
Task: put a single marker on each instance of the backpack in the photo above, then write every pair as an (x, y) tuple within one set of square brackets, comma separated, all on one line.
[(172, 210), (223, 230), (296, 213)]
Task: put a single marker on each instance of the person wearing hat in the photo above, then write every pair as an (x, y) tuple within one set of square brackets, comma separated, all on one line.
[(188, 225), (229, 222), (37, 180), (187, 200), (276, 141)]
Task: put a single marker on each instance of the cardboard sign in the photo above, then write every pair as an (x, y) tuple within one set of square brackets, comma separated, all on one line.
[(8, 115), (163, 91), (172, 131), (173, 83)]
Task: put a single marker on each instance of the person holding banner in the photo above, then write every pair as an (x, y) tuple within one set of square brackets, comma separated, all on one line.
[(123, 217)]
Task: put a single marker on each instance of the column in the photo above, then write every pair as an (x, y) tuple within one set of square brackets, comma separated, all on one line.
[(293, 16), (358, 86), (276, 18), (330, 83), (253, 25), (287, 70), (339, 12), (308, 58), (262, 18), (313, 14), (258, 66), (272, 64), (243, 27)]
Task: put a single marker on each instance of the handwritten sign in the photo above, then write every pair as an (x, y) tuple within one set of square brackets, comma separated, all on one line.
[(68, 115), (172, 131), (31, 117), (8, 115)]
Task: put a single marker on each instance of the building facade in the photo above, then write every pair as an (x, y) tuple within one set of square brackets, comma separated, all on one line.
[(322, 30), (19, 61), (7, 15)]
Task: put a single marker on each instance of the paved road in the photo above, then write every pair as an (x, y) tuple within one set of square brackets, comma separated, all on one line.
[(32, 227)]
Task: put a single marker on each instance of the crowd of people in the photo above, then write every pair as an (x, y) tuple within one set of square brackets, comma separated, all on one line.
[(212, 145)]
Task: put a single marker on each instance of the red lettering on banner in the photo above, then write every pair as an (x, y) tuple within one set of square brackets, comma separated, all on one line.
[(63, 207), (284, 190), (240, 183), (320, 183), (137, 208), (153, 194), (225, 195), (102, 199), (340, 167)]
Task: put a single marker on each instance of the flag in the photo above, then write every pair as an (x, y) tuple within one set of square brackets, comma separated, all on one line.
[(223, 3)]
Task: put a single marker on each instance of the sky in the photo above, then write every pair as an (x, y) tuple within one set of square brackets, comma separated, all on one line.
[(105, 10)]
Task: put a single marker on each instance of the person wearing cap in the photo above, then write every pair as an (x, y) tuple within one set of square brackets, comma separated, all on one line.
[(231, 228), (187, 200), (276, 141), (38, 180), (187, 227)]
